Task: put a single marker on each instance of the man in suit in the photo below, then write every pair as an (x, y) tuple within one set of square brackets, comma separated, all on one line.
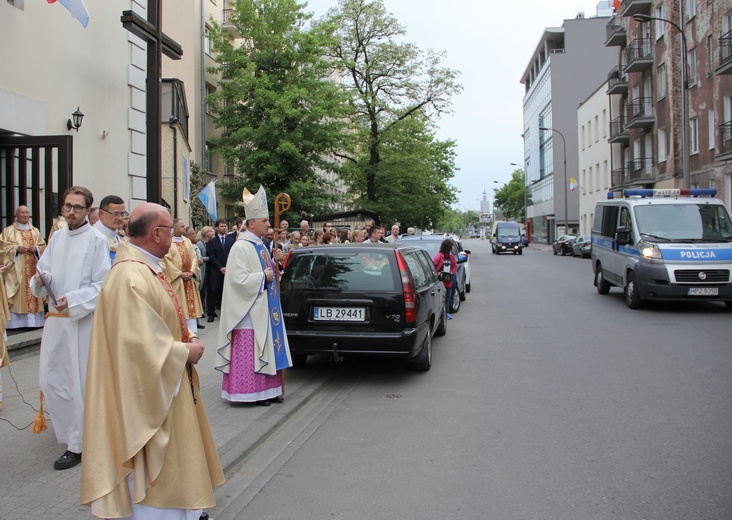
[(269, 241), (218, 252)]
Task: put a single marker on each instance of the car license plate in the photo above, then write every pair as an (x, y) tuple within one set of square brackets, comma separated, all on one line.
[(703, 291), (339, 314)]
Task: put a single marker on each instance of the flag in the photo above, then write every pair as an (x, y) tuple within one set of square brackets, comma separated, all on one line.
[(77, 9), (207, 196), (572, 184), (616, 5)]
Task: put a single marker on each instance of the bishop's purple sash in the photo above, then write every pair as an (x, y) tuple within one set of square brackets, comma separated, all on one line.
[(275, 312)]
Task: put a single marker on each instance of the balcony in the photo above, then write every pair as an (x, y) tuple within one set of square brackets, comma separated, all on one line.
[(226, 22), (725, 54), (725, 141), (640, 113), (638, 55), (619, 177), (640, 171), (617, 82), (618, 133), (631, 7), (615, 31)]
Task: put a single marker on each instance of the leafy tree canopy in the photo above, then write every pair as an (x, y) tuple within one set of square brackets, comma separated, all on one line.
[(510, 198)]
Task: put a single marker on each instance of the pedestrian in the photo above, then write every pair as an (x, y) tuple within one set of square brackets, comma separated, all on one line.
[(373, 235), (284, 225), (394, 234), (148, 448), (93, 216), (207, 232), (4, 316), (218, 252), (343, 236), (73, 268), (304, 228), (253, 348), (112, 217), (21, 246), (304, 241), (183, 272), (295, 239), (445, 262), (282, 242)]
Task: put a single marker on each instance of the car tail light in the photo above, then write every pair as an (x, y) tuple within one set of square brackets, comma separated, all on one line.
[(410, 302), (286, 259)]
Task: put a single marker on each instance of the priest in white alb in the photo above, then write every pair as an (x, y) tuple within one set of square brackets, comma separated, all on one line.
[(21, 245), (253, 348), (73, 266), (184, 273), (112, 218)]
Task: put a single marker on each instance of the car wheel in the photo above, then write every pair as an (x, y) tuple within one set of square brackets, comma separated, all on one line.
[(442, 327), (603, 287), (467, 287), (299, 360), (729, 305), (422, 362), (521, 251), (455, 302), (555, 251), (632, 295)]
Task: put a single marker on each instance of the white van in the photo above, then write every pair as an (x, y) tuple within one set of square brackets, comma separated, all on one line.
[(663, 245)]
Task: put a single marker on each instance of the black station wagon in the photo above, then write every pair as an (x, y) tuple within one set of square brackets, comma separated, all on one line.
[(365, 299)]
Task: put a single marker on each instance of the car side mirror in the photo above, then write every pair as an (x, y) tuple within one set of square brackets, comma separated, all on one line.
[(467, 251), (462, 258), (622, 236)]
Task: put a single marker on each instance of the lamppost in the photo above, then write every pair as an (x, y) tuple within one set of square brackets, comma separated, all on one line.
[(684, 92), (564, 183)]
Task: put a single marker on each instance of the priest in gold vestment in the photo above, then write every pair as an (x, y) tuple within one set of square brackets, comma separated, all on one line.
[(21, 246), (148, 448), (4, 315), (184, 273)]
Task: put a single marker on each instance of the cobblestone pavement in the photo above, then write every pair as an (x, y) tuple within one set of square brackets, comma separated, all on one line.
[(31, 488)]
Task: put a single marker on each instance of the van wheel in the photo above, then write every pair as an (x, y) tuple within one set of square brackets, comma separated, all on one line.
[(521, 251), (299, 360), (729, 305), (603, 287), (422, 362), (632, 295), (442, 327)]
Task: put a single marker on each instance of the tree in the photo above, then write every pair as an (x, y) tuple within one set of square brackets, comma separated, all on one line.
[(510, 199), (281, 117), (389, 82)]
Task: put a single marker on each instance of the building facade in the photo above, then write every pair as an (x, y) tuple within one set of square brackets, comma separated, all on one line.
[(567, 66), (650, 124)]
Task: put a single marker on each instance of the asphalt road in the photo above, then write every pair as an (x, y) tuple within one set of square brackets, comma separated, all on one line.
[(545, 401)]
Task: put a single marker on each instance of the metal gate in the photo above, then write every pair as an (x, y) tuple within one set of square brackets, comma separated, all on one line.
[(34, 171)]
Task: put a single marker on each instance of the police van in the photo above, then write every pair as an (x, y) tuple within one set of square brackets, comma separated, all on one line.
[(663, 245)]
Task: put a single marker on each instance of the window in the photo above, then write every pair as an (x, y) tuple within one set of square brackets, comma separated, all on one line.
[(690, 9), (597, 129), (605, 175), (710, 55), (18, 4), (604, 122), (711, 129), (583, 137), (662, 145), (207, 46), (661, 82), (210, 90), (208, 157), (660, 25), (694, 135), (589, 133), (693, 72), (597, 177), (589, 186)]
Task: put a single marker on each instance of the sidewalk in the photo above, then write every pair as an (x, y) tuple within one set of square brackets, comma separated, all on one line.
[(31, 488)]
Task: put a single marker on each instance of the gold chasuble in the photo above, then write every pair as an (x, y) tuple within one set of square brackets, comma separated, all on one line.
[(143, 410), (4, 317), (181, 259), (20, 270)]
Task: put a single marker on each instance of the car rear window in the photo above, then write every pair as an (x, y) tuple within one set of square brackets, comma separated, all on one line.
[(360, 272)]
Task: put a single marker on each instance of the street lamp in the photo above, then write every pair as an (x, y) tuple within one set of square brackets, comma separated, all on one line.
[(564, 184), (684, 95)]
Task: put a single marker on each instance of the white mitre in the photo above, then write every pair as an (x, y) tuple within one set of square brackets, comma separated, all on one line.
[(255, 206)]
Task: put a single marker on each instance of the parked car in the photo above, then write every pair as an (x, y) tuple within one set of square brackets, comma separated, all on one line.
[(582, 246), (563, 245), (382, 300), (466, 264), (431, 243)]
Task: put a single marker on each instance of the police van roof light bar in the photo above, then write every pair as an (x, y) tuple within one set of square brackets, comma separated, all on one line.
[(695, 192)]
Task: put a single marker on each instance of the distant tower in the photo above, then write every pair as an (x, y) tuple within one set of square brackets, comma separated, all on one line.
[(485, 206)]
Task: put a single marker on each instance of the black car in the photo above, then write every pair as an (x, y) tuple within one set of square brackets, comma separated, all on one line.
[(563, 245), (366, 299), (431, 244)]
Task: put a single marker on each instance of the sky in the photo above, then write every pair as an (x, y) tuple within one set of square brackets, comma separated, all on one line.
[(491, 43)]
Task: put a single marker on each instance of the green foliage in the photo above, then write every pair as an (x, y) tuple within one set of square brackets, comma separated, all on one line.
[(510, 198), (391, 86), (281, 118)]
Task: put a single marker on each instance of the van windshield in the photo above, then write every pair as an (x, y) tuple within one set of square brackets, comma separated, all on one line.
[(507, 231), (684, 222)]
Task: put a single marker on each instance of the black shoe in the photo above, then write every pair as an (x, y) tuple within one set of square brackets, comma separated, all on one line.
[(67, 460), (263, 403), (204, 516), (199, 325), (210, 319), (278, 400)]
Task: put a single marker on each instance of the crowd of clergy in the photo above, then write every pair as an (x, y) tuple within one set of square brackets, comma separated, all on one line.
[(119, 297)]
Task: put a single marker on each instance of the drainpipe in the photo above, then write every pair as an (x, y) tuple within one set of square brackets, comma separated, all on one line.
[(172, 122)]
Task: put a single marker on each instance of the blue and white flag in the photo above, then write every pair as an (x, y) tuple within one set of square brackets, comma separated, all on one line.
[(207, 196)]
